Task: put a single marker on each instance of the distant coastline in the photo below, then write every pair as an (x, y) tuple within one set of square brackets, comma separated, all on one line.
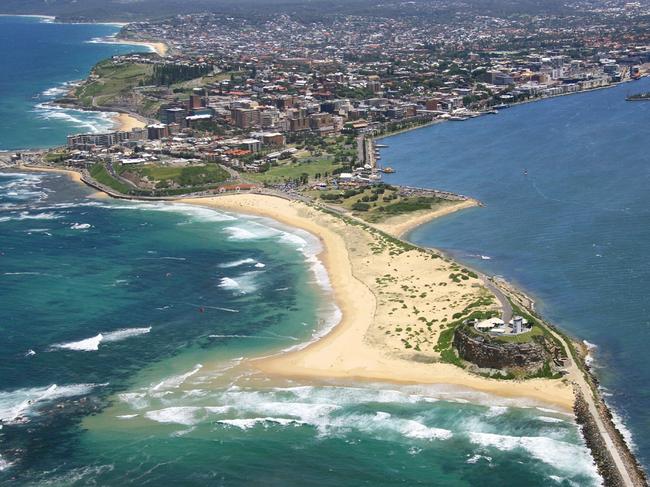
[(158, 47), (115, 119), (35, 16)]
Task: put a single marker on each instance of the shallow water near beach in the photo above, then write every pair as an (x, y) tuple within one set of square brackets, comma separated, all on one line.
[(125, 332), (565, 184)]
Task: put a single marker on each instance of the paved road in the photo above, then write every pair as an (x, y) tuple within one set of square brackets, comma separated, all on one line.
[(505, 302), (577, 377)]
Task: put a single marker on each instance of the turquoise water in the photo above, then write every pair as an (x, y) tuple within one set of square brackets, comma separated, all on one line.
[(126, 329), (573, 231), (38, 61)]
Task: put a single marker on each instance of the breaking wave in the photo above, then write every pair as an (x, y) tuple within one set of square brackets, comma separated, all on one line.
[(18, 404), (91, 344), (565, 456), (196, 213), (177, 380), (244, 284), (25, 215), (87, 121), (237, 263), (80, 226)]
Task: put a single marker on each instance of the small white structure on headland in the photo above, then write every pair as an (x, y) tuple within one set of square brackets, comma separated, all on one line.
[(516, 326), (489, 324), (519, 325)]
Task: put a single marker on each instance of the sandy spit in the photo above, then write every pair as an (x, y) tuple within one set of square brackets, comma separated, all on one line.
[(382, 293)]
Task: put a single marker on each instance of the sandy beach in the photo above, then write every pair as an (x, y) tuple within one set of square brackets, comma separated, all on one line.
[(73, 175), (401, 225), (381, 336), (394, 302), (395, 299), (126, 122), (159, 48)]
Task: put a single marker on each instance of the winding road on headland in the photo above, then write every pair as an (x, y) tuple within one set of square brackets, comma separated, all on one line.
[(506, 306)]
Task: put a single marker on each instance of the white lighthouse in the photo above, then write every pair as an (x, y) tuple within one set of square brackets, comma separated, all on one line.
[(518, 323)]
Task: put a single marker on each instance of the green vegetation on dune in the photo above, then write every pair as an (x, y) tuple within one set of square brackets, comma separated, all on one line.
[(102, 176), (110, 81), (55, 156), (379, 202), (409, 205), (169, 74), (290, 171), (183, 176), (160, 180)]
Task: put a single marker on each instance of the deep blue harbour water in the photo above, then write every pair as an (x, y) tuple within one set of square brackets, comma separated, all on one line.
[(573, 231), (38, 59)]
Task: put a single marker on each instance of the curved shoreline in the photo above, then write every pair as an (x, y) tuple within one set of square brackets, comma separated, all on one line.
[(345, 352), (351, 351), (158, 47), (401, 227)]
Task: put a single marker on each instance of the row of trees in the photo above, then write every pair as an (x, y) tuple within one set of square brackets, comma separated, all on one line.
[(168, 74)]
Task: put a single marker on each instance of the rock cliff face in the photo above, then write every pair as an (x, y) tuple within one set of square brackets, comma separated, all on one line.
[(496, 355)]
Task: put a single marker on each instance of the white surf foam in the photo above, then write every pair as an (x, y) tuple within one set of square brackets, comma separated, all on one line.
[(80, 226), (237, 263), (92, 344), (196, 213), (4, 464), (414, 429), (24, 215), (85, 345), (118, 335), (94, 122), (245, 424), (185, 415), (494, 411), (475, 458), (620, 426), (591, 348), (176, 381), (228, 283), (549, 419), (136, 400), (243, 284), (238, 233), (59, 90), (21, 402), (567, 457)]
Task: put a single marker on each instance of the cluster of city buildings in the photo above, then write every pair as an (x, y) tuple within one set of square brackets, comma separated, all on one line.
[(278, 78)]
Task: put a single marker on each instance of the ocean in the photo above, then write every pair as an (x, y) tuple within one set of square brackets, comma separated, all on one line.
[(564, 183), (126, 329), (125, 332), (39, 60)]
